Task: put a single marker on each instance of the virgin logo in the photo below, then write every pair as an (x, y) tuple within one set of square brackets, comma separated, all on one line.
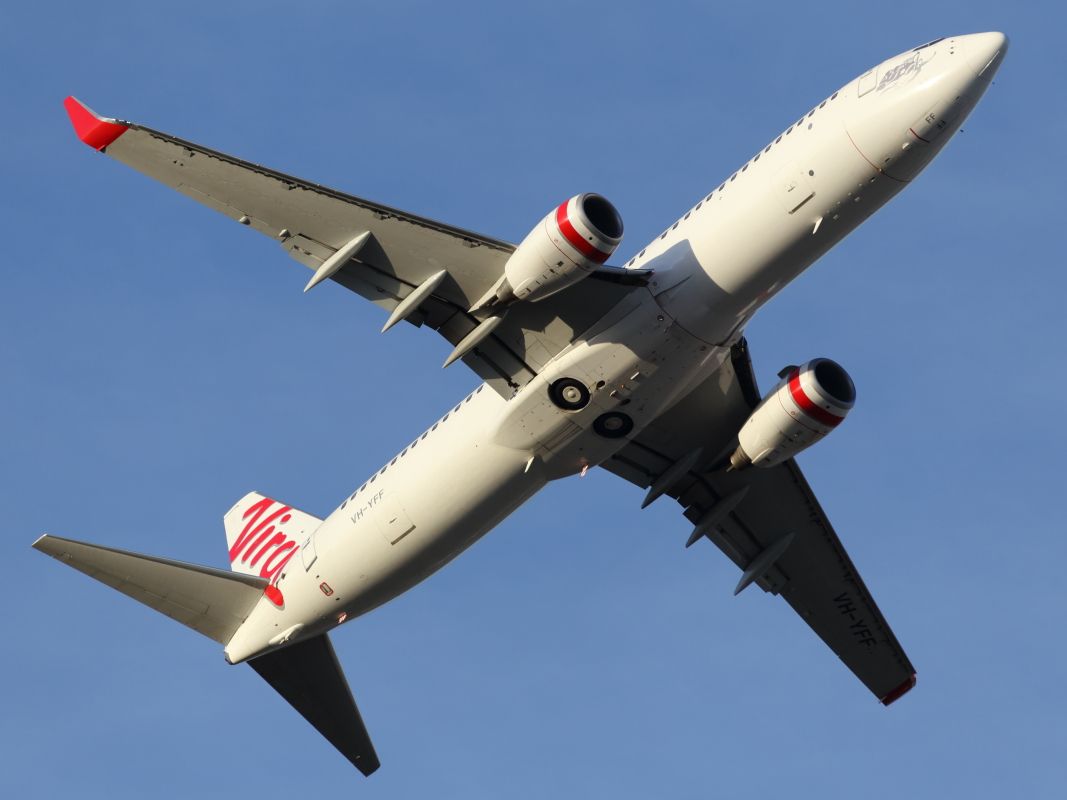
[(262, 540)]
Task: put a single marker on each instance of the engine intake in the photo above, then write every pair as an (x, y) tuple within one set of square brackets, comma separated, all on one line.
[(809, 402), (566, 246)]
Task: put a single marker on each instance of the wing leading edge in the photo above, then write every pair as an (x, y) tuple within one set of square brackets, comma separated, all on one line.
[(769, 523)]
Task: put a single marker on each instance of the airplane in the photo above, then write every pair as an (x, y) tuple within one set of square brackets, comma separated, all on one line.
[(640, 369)]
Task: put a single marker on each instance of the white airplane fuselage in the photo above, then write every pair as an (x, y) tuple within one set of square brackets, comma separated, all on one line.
[(713, 269)]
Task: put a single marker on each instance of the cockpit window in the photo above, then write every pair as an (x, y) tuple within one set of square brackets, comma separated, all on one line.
[(928, 44)]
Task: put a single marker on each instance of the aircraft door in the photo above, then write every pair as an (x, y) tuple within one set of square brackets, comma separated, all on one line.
[(308, 553)]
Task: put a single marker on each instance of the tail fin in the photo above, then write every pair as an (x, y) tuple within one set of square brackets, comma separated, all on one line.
[(263, 534), (210, 601), (309, 677)]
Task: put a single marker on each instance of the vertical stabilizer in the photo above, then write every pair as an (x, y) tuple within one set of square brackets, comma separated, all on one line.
[(262, 535)]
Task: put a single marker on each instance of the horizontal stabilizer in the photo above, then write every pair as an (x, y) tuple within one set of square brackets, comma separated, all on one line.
[(213, 602), (309, 677)]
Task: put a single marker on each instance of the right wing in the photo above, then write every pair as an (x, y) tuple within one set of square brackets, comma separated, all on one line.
[(313, 222), (753, 512)]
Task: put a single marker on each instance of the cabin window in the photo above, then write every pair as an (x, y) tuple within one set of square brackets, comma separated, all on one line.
[(834, 95), (687, 213), (699, 205)]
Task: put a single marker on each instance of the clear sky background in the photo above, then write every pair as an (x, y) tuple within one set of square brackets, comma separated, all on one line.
[(159, 361)]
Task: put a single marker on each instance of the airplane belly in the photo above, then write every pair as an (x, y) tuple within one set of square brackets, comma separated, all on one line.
[(426, 507), (751, 245), (488, 456)]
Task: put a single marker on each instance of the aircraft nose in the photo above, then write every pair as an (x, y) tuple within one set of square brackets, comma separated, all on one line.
[(906, 124), (986, 51)]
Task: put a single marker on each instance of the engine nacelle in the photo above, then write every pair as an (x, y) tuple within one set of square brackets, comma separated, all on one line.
[(566, 246), (805, 406)]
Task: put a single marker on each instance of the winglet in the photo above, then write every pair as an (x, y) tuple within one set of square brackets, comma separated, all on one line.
[(899, 692), (96, 131)]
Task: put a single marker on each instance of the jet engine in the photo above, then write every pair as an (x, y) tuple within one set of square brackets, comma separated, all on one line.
[(566, 246), (809, 402)]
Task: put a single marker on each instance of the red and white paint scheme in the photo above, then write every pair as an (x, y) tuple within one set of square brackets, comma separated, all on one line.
[(809, 402), (263, 535), (566, 246), (641, 370)]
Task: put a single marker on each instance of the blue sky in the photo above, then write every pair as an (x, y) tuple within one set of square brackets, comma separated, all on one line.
[(160, 362)]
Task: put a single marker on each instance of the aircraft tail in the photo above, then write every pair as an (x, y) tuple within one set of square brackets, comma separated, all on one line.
[(210, 601), (262, 535)]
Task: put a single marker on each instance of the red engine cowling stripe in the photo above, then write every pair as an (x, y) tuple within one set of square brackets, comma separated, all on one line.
[(576, 239), (807, 405)]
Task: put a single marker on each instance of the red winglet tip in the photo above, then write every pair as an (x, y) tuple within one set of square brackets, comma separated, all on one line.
[(94, 130), (899, 692)]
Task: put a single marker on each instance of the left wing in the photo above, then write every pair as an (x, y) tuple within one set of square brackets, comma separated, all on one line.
[(392, 252), (767, 521)]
